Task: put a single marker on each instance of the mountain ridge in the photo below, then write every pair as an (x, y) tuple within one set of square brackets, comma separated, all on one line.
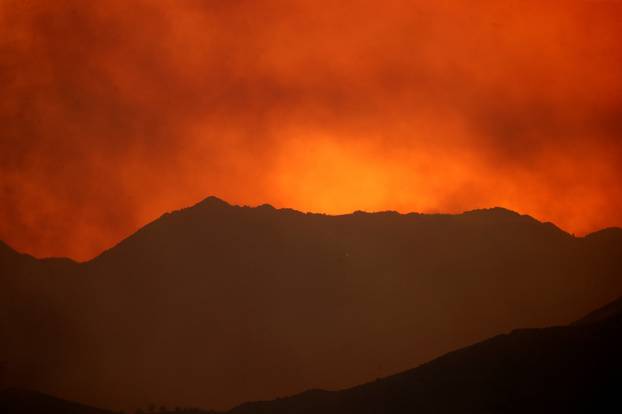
[(220, 295), (361, 398), (211, 202)]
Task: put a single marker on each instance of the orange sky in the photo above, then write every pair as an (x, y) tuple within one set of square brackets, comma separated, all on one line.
[(115, 111)]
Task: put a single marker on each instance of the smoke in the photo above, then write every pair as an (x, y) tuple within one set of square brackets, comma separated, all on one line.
[(117, 111)]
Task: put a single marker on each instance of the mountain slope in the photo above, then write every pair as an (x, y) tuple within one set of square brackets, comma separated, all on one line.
[(14, 401), (571, 369), (610, 310), (218, 304)]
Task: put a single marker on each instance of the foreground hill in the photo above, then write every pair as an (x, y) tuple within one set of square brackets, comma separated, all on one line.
[(218, 304), (570, 369), (14, 401)]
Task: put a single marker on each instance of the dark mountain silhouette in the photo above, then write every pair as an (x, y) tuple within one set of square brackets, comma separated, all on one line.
[(569, 369), (218, 304), (19, 401), (612, 309), (14, 401)]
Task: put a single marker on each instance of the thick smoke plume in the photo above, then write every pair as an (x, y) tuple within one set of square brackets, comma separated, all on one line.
[(114, 111)]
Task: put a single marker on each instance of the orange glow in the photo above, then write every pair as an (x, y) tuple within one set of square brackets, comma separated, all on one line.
[(117, 111)]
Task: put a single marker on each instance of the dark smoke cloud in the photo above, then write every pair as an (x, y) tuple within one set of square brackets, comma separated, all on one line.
[(114, 112)]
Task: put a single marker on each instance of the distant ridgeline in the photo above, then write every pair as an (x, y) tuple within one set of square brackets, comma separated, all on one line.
[(216, 304)]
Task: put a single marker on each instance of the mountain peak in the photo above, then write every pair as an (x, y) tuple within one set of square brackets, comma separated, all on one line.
[(495, 211), (212, 201)]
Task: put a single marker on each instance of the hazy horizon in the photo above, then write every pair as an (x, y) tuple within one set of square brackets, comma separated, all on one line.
[(114, 243), (118, 111)]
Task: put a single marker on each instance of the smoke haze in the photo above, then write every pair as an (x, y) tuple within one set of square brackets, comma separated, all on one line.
[(114, 112)]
